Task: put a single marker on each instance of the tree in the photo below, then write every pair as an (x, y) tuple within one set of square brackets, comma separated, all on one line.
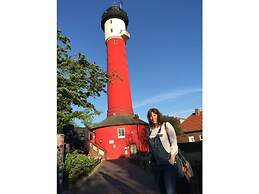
[(176, 124), (77, 81)]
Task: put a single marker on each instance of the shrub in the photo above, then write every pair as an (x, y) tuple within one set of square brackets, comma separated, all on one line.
[(78, 165)]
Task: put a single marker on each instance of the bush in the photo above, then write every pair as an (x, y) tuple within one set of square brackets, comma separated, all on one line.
[(78, 165)]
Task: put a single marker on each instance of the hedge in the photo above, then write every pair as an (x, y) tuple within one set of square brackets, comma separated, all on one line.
[(78, 165)]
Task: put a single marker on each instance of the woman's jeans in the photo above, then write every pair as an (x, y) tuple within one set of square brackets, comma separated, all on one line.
[(167, 179)]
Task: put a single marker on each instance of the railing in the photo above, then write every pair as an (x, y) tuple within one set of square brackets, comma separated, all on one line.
[(60, 168), (61, 152), (97, 152)]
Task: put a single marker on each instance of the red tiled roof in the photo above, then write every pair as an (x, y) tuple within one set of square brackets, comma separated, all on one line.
[(192, 123)]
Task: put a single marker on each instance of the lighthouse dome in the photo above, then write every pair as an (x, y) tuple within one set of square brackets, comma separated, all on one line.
[(114, 12)]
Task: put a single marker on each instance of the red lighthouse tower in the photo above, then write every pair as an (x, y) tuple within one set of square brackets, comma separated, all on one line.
[(122, 133), (114, 24)]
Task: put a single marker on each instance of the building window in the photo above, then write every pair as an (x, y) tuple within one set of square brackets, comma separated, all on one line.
[(111, 141), (111, 30), (200, 137), (111, 21), (191, 139), (121, 133)]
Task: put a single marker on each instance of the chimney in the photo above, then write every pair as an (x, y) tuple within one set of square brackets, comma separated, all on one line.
[(197, 112)]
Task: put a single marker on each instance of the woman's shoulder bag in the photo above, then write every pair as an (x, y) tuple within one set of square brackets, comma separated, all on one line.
[(184, 167)]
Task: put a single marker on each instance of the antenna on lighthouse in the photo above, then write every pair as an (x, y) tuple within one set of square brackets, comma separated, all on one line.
[(118, 3)]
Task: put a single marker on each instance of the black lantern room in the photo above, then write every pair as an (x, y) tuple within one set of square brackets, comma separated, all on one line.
[(114, 12)]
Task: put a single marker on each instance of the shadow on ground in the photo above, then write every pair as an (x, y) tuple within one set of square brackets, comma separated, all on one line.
[(116, 177)]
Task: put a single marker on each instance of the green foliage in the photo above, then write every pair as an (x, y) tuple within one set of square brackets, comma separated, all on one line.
[(78, 165), (77, 81), (176, 124), (75, 137)]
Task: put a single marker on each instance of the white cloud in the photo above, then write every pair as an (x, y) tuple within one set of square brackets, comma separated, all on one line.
[(184, 113), (166, 96)]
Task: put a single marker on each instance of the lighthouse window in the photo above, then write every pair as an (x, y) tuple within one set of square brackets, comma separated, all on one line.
[(121, 133), (111, 30), (111, 21)]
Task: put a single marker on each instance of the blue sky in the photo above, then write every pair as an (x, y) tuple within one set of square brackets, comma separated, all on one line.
[(164, 51)]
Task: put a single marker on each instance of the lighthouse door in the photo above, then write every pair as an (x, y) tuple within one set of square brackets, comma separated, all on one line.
[(133, 149)]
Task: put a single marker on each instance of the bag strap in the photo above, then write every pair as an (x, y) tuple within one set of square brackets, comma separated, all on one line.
[(166, 130), (165, 127)]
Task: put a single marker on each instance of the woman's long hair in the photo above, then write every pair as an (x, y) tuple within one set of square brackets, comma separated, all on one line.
[(159, 117)]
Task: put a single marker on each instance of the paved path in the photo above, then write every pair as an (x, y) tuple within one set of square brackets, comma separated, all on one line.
[(116, 177)]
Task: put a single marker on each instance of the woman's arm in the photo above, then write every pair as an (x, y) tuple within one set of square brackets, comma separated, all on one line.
[(173, 140)]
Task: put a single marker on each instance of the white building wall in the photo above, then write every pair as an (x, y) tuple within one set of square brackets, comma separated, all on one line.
[(113, 28)]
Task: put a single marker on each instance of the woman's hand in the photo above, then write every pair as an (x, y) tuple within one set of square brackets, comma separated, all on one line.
[(172, 159)]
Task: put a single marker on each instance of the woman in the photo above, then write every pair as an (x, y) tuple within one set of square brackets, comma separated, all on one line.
[(167, 169)]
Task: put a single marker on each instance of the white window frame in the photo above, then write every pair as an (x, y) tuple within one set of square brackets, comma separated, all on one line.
[(200, 136), (121, 133), (191, 139)]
